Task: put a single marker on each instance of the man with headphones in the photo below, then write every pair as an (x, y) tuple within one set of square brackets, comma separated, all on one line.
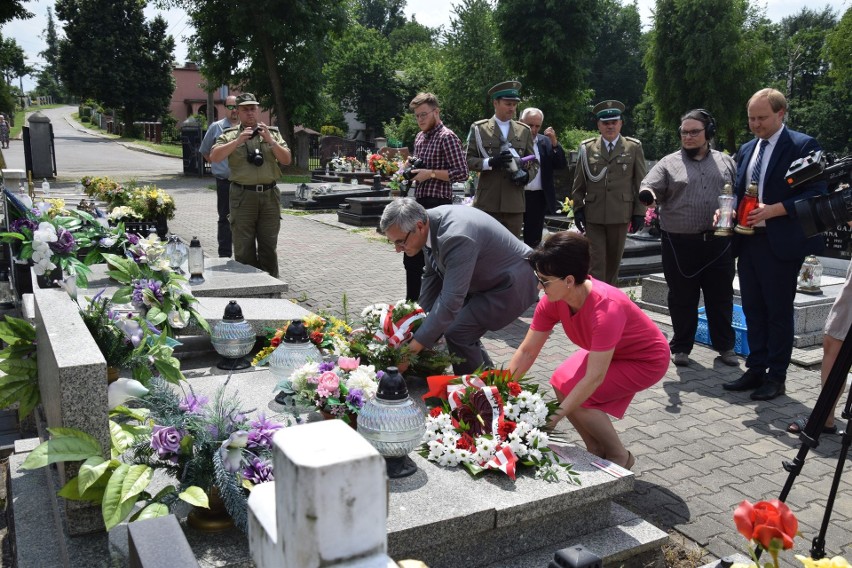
[(687, 184)]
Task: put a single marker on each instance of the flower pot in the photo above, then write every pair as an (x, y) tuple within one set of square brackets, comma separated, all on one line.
[(212, 520), (353, 418)]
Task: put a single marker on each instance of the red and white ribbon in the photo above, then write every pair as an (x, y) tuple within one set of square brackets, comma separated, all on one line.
[(504, 460), (396, 333)]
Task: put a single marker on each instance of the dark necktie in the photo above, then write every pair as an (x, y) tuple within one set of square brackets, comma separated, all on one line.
[(433, 263), (609, 147), (758, 164)]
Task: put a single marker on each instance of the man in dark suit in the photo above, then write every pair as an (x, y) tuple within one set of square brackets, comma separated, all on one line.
[(539, 194), (769, 259), (477, 276), (495, 147)]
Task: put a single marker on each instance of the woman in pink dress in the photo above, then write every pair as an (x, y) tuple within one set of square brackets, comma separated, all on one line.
[(621, 351)]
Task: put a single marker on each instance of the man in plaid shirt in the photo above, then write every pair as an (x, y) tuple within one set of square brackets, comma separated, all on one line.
[(444, 163)]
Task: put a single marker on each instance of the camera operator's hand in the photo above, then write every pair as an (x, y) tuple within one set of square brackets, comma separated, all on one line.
[(246, 134), (521, 177), (580, 219), (646, 196), (636, 223), (500, 162)]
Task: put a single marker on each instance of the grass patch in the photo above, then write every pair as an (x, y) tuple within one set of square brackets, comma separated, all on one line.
[(170, 149), (20, 118)]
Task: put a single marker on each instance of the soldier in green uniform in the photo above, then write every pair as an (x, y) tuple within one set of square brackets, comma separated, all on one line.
[(494, 147), (606, 189), (254, 151)]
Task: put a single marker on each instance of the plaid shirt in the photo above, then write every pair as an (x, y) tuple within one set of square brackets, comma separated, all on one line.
[(440, 149)]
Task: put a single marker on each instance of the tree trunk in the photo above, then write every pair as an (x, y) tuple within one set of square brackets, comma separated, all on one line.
[(282, 120)]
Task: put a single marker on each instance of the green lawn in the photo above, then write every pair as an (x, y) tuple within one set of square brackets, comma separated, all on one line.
[(21, 115)]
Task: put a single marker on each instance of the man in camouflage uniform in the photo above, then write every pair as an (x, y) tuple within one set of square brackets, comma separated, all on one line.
[(606, 189), (254, 151), (500, 191)]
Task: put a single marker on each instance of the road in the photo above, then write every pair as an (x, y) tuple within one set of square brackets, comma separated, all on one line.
[(81, 152)]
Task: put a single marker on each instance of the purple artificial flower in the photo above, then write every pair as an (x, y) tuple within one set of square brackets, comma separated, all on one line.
[(193, 404), (165, 440), (262, 431), (258, 470), (64, 242), (326, 366), (355, 398), (19, 224), (132, 238), (379, 375), (138, 298)]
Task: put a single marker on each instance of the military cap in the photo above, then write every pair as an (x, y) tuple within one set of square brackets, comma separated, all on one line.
[(510, 90), (246, 99), (608, 110)]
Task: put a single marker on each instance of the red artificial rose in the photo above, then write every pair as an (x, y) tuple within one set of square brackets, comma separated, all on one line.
[(275, 341), (765, 522), (436, 411), (505, 428), (316, 337), (514, 388)]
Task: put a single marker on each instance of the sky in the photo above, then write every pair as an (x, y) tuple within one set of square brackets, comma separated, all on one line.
[(29, 33)]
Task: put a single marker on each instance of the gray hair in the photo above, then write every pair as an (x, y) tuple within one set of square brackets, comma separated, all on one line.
[(404, 213), (531, 110)]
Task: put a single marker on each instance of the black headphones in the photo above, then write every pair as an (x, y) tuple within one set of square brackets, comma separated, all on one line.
[(710, 123)]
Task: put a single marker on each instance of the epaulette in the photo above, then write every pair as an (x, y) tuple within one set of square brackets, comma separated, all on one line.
[(275, 128), (587, 140), (634, 140), (483, 121), (230, 129)]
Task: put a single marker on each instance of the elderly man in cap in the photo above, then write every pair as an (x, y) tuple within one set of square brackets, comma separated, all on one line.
[(495, 147), (606, 189), (253, 151)]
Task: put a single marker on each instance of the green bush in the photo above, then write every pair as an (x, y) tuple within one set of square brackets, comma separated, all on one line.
[(330, 130), (570, 138), (401, 132), (85, 113), (85, 118)]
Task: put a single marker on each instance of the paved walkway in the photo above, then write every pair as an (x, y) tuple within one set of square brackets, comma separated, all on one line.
[(700, 450)]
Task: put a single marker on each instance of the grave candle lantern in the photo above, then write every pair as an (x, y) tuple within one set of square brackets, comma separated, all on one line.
[(196, 262), (294, 351), (393, 424), (233, 338), (725, 222), (747, 205)]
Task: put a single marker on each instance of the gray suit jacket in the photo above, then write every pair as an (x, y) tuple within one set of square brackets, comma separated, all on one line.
[(474, 256)]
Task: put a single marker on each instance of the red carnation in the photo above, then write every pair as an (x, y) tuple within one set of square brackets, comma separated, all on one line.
[(316, 337), (514, 388), (275, 341), (505, 428), (463, 444), (436, 411)]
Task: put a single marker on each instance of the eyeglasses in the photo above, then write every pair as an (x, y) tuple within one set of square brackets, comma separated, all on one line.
[(231, 107), (691, 133), (544, 283), (401, 243), (422, 115)]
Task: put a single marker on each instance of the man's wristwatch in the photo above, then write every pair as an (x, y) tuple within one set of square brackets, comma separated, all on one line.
[(432, 175)]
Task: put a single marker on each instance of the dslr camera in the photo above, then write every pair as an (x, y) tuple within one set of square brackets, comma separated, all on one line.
[(408, 176), (254, 157), (823, 212)]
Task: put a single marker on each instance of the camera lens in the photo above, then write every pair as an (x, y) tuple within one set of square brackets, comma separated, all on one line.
[(824, 212), (255, 158)]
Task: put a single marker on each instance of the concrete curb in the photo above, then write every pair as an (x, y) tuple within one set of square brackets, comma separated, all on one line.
[(129, 145)]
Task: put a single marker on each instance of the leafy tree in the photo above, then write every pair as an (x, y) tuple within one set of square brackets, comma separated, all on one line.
[(544, 42), (802, 37), (111, 54), (361, 74), (13, 10), (615, 67), (382, 15), (12, 61), (838, 49), (48, 82), (473, 62), (274, 48), (701, 55), (413, 33)]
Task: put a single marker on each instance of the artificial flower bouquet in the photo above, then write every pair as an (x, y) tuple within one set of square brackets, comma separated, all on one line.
[(652, 218), (45, 236), (151, 202), (567, 207), (771, 526), (491, 421), (339, 388), (381, 165), (150, 286), (105, 189), (328, 333)]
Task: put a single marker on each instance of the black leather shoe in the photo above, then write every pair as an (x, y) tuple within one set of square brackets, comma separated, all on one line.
[(751, 379), (768, 390)]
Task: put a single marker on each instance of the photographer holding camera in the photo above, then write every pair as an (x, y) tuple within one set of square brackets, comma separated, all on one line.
[(254, 151), (770, 259), (496, 147), (438, 161)]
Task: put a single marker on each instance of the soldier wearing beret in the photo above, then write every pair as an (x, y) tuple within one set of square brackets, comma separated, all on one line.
[(495, 147), (606, 189), (253, 151)]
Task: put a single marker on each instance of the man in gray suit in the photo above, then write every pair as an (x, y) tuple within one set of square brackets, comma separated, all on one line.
[(477, 277)]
